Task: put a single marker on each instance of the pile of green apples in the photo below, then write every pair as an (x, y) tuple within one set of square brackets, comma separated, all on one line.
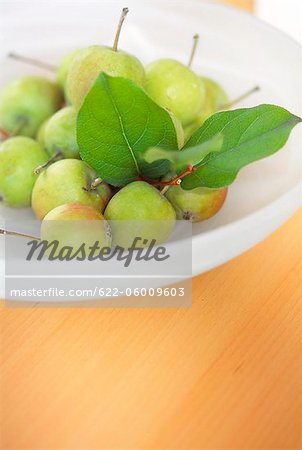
[(40, 163)]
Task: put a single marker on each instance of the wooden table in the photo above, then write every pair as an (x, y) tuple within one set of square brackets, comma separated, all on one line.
[(224, 374)]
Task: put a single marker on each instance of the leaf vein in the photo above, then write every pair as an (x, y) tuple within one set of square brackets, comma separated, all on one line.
[(122, 125)]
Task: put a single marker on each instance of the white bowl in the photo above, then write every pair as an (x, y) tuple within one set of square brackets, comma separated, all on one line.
[(236, 48)]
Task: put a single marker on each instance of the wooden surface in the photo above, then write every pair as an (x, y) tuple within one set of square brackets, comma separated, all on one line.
[(245, 4), (224, 374)]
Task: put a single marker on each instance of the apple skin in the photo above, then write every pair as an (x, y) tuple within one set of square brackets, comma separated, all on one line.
[(62, 72), (40, 136), (175, 87), (74, 211), (30, 99), (179, 130), (63, 182), (196, 204), (88, 64), (216, 97), (60, 133), (147, 213), (19, 156), (73, 224)]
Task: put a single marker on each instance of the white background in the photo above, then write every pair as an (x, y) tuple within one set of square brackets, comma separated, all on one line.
[(284, 14)]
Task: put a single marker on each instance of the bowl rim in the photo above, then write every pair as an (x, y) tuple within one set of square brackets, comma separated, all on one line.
[(248, 15)]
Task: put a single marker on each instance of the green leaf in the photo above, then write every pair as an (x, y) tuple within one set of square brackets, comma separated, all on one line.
[(180, 159), (116, 124), (249, 134)]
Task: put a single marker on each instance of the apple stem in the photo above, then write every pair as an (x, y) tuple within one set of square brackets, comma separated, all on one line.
[(193, 51), (4, 134), (119, 27), (58, 155), (14, 233), (179, 177), (176, 181), (164, 189), (240, 98), (94, 184), (34, 62)]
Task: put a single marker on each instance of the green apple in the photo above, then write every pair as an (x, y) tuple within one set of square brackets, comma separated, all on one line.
[(60, 133), (196, 204), (63, 69), (190, 130), (68, 181), (26, 103), (217, 94), (175, 87), (215, 99), (179, 130), (139, 210), (88, 64), (40, 136), (75, 225), (18, 158)]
